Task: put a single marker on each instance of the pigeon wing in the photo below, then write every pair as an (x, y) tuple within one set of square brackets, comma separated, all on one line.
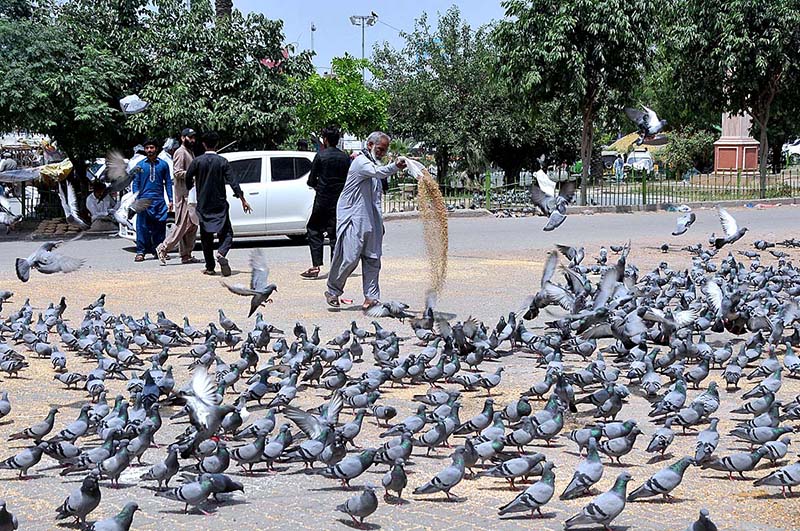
[(713, 294), (546, 184), (204, 396), (550, 266), (304, 420), (260, 270), (652, 117), (729, 225), (635, 115), (240, 289)]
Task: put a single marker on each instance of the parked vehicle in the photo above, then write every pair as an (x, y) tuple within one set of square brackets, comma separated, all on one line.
[(639, 160), (791, 152), (274, 183)]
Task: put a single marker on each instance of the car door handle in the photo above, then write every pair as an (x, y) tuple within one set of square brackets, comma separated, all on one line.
[(253, 193)]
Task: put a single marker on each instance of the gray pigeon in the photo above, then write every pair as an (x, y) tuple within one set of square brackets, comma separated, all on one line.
[(730, 228), (163, 471), (605, 508), (46, 261), (8, 522), (39, 430), (120, 522), (24, 460), (664, 481), (360, 506), (740, 462), (447, 478), (684, 222), (395, 479), (707, 441), (587, 473), (5, 404), (515, 468), (703, 523), (351, 467), (646, 121), (194, 493), (81, 501), (535, 496), (785, 477), (259, 291)]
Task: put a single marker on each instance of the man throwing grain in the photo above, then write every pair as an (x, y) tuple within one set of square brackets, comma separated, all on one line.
[(359, 222)]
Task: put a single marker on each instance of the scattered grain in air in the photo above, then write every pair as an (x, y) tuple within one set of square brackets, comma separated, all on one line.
[(434, 218)]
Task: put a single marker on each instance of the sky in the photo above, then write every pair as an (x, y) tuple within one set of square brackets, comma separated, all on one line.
[(334, 33)]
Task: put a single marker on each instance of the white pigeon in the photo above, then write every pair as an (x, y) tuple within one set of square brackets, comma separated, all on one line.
[(69, 202)]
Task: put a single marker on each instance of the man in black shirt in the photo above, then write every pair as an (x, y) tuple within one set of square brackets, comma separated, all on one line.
[(209, 173), (327, 178)]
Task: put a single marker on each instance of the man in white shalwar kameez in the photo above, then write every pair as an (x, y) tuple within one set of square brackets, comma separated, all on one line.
[(359, 222)]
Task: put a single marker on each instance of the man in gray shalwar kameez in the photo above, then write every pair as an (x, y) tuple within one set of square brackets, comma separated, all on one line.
[(359, 222)]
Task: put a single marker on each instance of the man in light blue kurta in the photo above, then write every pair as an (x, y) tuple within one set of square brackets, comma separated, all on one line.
[(359, 222)]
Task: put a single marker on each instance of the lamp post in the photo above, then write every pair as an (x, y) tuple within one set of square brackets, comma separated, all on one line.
[(313, 29), (364, 21)]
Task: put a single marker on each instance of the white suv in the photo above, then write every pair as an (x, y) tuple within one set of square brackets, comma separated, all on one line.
[(274, 183)]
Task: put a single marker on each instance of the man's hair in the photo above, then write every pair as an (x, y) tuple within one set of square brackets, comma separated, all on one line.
[(151, 142), (211, 139), (377, 136), (332, 135)]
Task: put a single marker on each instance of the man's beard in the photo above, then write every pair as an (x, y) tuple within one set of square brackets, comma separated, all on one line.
[(374, 155)]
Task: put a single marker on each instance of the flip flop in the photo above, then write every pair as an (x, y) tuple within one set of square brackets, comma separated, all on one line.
[(332, 300), (311, 273), (224, 265)]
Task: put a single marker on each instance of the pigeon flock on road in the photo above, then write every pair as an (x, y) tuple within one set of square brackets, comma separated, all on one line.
[(673, 339)]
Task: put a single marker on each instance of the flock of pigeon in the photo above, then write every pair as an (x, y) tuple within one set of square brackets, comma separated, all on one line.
[(612, 334)]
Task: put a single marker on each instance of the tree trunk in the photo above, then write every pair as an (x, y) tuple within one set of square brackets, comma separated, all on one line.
[(762, 160), (586, 153), (223, 8), (442, 164), (777, 154)]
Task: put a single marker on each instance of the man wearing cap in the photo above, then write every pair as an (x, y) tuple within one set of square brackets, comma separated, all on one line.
[(151, 182), (184, 233)]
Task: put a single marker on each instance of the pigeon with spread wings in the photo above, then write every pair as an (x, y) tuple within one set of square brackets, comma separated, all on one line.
[(543, 194), (259, 291), (731, 229), (46, 261), (646, 121)]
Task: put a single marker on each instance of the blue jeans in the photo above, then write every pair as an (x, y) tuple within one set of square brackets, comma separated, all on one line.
[(150, 232)]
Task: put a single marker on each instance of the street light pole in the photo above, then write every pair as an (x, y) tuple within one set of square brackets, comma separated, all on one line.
[(364, 21), (313, 29)]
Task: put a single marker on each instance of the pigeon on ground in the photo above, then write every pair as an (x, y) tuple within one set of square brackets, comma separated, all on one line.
[(707, 441), (684, 222), (703, 523), (447, 478), (739, 462), (24, 460), (664, 481), (120, 522), (587, 473), (605, 508), (785, 478), (39, 430), (164, 470), (360, 506), (647, 122), (194, 493), (535, 496), (395, 479), (46, 261), (8, 522), (82, 500), (259, 291)]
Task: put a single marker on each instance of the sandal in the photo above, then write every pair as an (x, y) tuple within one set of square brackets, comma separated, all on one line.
[(224, 266), (369, 303), (139, 258), (311, 272), (332, 300), (190, 260), (209, 272)]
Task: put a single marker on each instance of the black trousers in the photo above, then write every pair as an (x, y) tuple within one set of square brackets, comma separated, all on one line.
[(225, 238), (321, 222)]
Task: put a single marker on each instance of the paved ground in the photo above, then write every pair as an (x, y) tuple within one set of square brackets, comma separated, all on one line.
[(493, 265)]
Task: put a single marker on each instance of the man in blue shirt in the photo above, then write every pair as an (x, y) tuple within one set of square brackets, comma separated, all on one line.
[(152, 180)]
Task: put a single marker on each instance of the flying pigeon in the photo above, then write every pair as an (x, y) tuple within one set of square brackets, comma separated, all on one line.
[(731, 229), (646, 121), (132, 104), (259, 291), (69, 203), (46, 261), (553, 206), (684, 222)]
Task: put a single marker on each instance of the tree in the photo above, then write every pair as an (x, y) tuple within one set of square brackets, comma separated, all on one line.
[(431, 82), (223, 8), (590, 53), (64, 69), (741, 55), (342, 98)]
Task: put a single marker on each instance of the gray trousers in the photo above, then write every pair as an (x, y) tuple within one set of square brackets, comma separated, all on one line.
[(344, 262)]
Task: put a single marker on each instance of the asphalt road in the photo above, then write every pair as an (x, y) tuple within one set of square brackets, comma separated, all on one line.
[(494, 264)]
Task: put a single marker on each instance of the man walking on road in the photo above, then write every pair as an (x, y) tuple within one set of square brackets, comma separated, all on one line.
[(327, 178), (152, 181), (359, 222), (184, 233), (210, 173)]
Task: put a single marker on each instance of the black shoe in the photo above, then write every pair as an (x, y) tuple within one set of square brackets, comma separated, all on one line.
[(224, 265)]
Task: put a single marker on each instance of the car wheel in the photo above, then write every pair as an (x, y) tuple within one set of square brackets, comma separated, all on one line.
[(298, 238)]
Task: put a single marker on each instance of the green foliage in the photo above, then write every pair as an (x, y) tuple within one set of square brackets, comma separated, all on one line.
[(342, 98), (739, 54), (587, 54), (687, 149), (63, 71)]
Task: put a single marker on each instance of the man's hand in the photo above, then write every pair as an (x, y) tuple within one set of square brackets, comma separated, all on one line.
[(171, 207), (246, 206), (401, 163)]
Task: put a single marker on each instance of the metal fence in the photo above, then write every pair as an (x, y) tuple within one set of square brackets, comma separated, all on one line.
[(636, 189)]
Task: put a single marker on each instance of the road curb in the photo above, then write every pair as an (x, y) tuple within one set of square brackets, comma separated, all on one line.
[(658, 207), (460, 213)]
